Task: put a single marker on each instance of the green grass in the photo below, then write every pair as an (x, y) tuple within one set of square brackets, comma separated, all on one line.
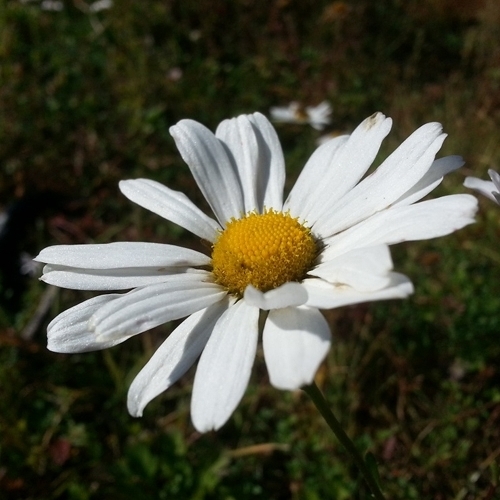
[(87, 100)]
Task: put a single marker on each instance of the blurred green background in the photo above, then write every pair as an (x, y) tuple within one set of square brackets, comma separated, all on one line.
[(86, 99)]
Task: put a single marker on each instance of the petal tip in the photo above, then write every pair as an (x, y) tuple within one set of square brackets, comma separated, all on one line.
[(134, 408)]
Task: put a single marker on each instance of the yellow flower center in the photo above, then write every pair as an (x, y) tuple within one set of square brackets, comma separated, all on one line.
[(264, 250)]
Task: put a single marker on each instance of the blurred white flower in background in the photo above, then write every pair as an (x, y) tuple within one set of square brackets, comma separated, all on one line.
[(52, 5), (28, 266), (100, 5), (316, 116)]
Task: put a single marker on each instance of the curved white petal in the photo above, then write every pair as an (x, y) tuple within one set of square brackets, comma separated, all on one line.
[(112, 279), (346, 166), (364, 269), (69, 332), (431, 179), (486, 188), (174, 357), (397, 174), (171, 205), (121, 255), (286, 295), (117, 266), (301, 198), (271, 180), (324, 295), (145, 308), (238, 135), (424, 220), (225, 366), (495, 177), (257, 157), (211, 168), (295, 341)]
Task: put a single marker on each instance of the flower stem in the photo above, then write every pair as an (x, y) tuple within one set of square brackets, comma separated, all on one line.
[(319, 401)]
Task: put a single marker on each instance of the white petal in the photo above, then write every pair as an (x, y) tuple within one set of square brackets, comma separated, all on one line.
[(69, 331), (424, 220), (211, 168), (171, 205), (346, 166), (238, 135), (286, 295), (121, 255), (174, 357), (256, 154), (495, 177), (486, 188), (324, 295), (271, 179), (431, 179), (115, 266), (150, 306), (295, 341), (112, 279), (397, 174), (301, 199), (365, 269), (225, 366)]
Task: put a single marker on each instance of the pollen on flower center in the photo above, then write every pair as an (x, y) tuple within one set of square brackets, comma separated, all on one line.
[(264, 250)]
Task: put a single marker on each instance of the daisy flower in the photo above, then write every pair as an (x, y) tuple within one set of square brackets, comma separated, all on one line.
[(489, 189), (325, 246), (316, 116)]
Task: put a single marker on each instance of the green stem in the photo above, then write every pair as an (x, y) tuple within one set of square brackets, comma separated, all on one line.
[(319, 400)]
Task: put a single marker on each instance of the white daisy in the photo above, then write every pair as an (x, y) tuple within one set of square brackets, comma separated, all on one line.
[(489, 189), (316, 116), (325, 246), (319, 116)]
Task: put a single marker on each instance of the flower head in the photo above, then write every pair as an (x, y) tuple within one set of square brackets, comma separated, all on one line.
[(489, 189), (324, 246), (316, 116)]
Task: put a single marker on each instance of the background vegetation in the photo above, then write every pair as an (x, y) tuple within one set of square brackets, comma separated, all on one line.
[(86, 99)]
